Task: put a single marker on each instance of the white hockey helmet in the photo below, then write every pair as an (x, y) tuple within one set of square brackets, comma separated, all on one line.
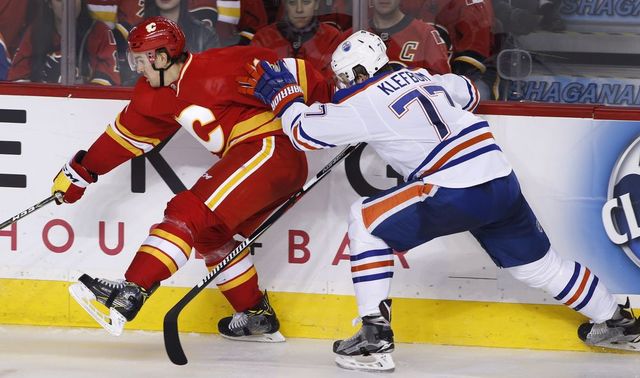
[(362, 48)]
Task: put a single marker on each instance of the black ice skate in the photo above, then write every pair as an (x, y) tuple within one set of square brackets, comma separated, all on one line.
[(369, 349), (620, 332), (255, 324), (123, 299)]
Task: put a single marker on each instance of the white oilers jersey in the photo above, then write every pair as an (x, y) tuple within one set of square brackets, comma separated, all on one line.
[(420, 124)]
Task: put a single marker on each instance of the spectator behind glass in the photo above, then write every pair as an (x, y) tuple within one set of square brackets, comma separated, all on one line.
[(199, 36), (336, 12), (38, 56), (410, 42), (301, 35), (466, 25), (5, 62), (14, 16)]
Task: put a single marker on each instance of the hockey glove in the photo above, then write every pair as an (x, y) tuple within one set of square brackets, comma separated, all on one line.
[(274, 85), (73, 179), (51, 68)]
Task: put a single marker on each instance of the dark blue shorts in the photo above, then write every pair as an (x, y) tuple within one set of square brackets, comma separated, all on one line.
[(496, 213)]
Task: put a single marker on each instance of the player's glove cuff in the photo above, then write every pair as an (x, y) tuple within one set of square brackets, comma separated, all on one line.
[(285, 97), (73, 179)]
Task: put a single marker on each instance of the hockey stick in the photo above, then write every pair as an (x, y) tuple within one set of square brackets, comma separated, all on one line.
[(30, 210), (171, 334)]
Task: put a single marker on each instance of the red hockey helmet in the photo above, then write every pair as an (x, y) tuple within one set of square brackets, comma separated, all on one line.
[(155, 33)]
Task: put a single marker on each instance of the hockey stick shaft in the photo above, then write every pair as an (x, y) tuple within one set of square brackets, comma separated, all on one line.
[(171, 333), (30, 210)]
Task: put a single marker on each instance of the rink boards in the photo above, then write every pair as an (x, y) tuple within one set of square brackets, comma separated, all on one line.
[(575, 166)]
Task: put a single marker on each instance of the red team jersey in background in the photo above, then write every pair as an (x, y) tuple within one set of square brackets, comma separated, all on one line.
[(98, 61), (414, 43), (13, 20), (468, 23), (316, 50)]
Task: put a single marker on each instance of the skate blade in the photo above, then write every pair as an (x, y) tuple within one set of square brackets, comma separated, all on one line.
[(628, 345), (376, 362), (275, 337), (113, 323)]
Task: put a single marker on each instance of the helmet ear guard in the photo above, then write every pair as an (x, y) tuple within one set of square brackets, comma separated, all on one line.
[(362, 49)]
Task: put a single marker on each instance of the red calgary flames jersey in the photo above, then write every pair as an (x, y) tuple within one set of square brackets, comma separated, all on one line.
[(414, 43), (99, 64), (468, 23), (204, 101), (317, 50)]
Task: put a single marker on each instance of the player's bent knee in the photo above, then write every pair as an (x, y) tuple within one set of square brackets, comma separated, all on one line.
[(190, 210)]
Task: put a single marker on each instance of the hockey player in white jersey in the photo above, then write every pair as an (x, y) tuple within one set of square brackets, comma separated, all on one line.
[(456, 179)]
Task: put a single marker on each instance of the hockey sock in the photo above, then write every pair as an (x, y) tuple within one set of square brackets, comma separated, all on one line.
[(371, 264), (570, 283), (166, 249), (238, 282)]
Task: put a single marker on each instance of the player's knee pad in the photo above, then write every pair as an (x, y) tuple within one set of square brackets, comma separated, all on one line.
[(212, 256), (360, 239), (187, 209)]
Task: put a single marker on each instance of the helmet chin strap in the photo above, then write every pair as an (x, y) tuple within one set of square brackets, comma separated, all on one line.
[(161, 71)]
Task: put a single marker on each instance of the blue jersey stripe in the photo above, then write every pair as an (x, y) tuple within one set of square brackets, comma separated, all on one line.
[(373, 277), (316, 141), (471, 93), (372, 253), (471, 155), (443, 144), (572, 281), (586, 299)]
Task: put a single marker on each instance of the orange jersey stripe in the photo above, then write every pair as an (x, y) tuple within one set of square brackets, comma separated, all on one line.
[(575, 297), (446, 157), (372, 265), (375, 211)]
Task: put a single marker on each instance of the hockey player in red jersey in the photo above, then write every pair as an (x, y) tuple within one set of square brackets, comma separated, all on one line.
[(257, 171), (410, 42), (466, 24), (301, 35)]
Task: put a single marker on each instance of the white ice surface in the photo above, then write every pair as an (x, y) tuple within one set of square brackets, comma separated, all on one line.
[(91, 353)]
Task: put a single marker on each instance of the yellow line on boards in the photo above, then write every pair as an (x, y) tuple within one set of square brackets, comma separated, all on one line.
[(508, 325)]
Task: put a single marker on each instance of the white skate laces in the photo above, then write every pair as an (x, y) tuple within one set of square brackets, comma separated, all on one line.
[(239, 320), (113, 322)]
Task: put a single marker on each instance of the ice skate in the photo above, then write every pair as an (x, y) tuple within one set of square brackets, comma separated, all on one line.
[(370, 348), (122, 299), (620, 332), (258, 324)]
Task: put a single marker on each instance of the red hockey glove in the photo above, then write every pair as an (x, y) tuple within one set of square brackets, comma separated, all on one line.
[(274, 85), (73, 179)]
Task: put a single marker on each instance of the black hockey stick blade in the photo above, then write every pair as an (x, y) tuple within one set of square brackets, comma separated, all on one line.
[(172, 343), (30, 210)]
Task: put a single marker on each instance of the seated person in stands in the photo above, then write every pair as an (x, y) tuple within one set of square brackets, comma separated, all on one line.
[(14, 18), (410, 42), (199, 36), (300, 35), (466, 26), (125, 14), (338, 13), (5, 61), (38, 56)]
